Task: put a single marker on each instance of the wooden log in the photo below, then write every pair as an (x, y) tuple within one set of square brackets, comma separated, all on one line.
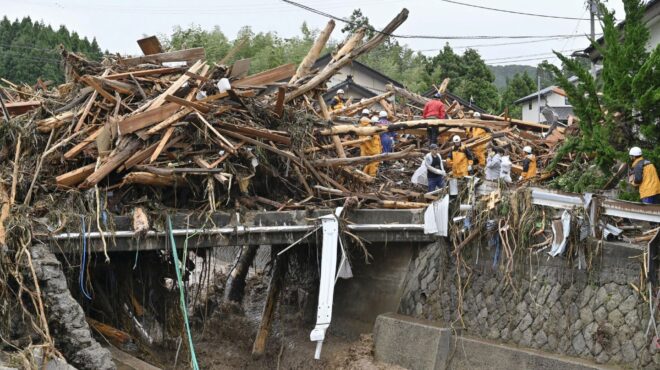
[(313, 54), (336, 162), (336, 141), (75, 177), (187, 55), (145, 153), (127, 148), (395, 204), (349, 45), (161, 145), (333, 67), (146, 119), (48, 124), (443, 86), (118, 86), (279, 104), (116, 336), (518, 122), (186, 103), (21, 107), (226, 144), (144, 72), (235, 287), (268, 314), (404, 93), (349, 143), (150, 45), (92, 82), (73, 152), (271, 148), (224, 180), (345, 193), (357, 107), (176, 117), (151, 179), (267, 77), (160, 100), (5, 207), (406, 125)]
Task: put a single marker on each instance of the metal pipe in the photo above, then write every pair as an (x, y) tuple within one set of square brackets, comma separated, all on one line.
[(239, 230)]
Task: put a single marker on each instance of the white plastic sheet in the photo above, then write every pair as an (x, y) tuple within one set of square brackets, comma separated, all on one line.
[(436, 217)]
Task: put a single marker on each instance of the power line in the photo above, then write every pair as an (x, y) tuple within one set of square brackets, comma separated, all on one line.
[(505, 43), (520, 60), (433, 37), (524, 56), (513, 11)]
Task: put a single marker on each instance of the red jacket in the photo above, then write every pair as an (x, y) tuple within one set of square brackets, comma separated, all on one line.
[(434, 108)]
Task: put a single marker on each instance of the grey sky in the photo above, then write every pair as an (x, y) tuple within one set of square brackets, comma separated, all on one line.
[(116, 24)]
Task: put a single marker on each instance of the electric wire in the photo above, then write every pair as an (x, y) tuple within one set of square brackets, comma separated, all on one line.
[(513, 11), (427, 37)]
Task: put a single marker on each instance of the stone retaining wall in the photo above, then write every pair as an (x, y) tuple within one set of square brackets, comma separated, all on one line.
[(555, 308)]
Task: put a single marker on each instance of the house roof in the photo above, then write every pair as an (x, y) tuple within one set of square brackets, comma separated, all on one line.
[(324, 60), (545, 91), (348, 85), (453, 97), (651, 6)]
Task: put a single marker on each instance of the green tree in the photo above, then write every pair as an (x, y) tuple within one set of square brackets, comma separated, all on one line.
[(621, 109), (30, 50), (517, 87), (358, 20)]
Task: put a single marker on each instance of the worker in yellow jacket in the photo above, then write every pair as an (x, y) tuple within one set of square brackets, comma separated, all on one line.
[(529, 164), (338, 102), (460, 158), (644, 176), (478, 150), (372, 146)]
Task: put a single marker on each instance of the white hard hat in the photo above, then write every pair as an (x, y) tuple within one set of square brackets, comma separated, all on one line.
[(476, 115), (456, 139), (382, 114), (340, 91), (635, 151), (527, 149), (374, 119), (365, 111)]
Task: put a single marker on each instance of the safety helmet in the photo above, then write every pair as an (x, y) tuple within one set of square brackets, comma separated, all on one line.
[(340, 91), (365, 112), (527, 149), (635, 151), (382, 114), (476, 115), (374, 119), (456, 139), (437, 95)]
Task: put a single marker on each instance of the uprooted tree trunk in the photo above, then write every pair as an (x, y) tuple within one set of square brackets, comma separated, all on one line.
[(334, 66), (235, 287), (66, 318)]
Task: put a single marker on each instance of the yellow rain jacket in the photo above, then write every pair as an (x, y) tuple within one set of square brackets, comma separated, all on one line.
[(460, 159), (337, 103), (646, 177), (529, 167), (371, 147), (480, 150)]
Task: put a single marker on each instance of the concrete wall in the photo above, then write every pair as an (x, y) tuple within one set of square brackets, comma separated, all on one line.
[(556, 308), (376, 288)]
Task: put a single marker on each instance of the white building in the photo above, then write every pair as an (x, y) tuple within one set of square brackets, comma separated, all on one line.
[(551, 97)]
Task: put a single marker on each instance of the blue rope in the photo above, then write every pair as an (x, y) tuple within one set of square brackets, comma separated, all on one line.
[(175, 256), (84, 262)]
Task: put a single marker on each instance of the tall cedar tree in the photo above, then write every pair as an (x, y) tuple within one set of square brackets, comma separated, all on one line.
[(29, 50), (620, 109)]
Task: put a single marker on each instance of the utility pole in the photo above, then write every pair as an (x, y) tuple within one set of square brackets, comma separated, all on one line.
[(538, 95), (593, 10)]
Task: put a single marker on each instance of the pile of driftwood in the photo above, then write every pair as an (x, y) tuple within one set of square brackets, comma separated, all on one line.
[(213, 136)]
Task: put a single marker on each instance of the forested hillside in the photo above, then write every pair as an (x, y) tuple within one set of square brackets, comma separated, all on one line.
[(28, 50), (506, 73)]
